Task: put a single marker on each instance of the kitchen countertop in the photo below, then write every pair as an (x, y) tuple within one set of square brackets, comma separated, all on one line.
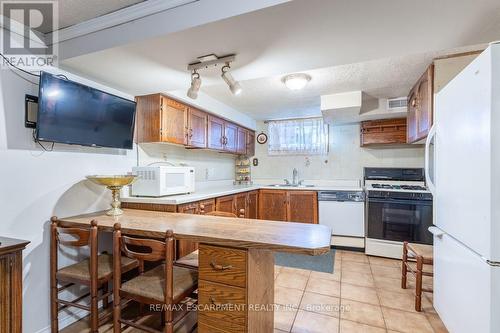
[(220, 191)]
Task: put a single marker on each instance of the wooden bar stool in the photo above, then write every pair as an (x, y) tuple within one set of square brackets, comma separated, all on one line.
[(422, 255), (95, 272), (191, 260), (164, 285)]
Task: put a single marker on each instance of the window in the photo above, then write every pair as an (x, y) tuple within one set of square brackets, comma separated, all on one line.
[(298, 137)]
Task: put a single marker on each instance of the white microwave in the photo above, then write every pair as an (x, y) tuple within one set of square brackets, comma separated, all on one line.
[(157, 181)]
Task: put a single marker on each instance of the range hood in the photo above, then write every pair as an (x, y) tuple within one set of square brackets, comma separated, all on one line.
[(356, 106)]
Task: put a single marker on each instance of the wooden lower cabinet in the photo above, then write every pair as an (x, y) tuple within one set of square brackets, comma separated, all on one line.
[(207, 205), (272, 205), (226, 204), (11, 284), (291, 206), (189, 208), (231, 297), (252, 211), (241, 202), (185, 247), (302, 206)]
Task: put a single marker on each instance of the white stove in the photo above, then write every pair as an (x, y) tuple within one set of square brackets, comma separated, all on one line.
[(398, 208)]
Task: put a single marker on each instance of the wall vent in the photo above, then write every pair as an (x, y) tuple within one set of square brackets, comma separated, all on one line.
[(397, 103)]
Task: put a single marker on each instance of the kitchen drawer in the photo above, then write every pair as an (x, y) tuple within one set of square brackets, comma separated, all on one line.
[(223, 265), (222, 306)]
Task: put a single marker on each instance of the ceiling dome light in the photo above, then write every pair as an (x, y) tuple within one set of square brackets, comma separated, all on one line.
[(296, 81), (234, 85), (195, 85)]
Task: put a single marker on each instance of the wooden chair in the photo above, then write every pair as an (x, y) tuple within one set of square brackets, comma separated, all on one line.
[(191, 260), (421, 255), (95, 272), (164, 285)]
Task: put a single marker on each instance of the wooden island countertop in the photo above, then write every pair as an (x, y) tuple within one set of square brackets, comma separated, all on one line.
[(300, 238)]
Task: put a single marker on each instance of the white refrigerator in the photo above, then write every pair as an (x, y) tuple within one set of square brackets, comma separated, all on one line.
[(463, 171)]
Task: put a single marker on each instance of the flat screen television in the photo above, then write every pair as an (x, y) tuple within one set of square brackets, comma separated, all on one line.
[(72, 113)]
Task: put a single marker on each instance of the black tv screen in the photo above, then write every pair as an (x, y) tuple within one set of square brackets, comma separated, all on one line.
[(72, 113)]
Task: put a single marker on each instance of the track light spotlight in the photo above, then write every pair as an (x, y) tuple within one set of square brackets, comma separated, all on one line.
[(195, 85), (234, 85)]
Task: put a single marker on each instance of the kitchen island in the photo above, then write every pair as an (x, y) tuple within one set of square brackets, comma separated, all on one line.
[(236, 262)]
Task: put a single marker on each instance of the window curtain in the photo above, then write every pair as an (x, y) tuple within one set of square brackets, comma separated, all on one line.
[(298, 137)]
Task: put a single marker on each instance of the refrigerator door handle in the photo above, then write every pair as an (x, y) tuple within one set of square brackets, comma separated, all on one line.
[(436, 231), (428, 180), (493, 263)]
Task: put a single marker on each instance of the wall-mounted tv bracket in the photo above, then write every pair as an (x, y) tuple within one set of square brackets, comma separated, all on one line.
[(30, 111)]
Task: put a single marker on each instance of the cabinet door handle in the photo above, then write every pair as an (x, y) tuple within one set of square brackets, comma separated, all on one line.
[(218, 267)]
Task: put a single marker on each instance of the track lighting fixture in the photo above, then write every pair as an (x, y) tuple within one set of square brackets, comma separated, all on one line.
[(208, 61), (234, 85), (195, 85)]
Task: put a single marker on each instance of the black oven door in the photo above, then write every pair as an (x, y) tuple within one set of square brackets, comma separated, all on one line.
[(400, 220)]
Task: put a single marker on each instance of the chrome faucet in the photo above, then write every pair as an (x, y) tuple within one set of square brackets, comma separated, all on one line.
[(295, 177)]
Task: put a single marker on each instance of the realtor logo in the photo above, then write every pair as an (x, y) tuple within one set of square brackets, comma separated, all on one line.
[(29, 33)]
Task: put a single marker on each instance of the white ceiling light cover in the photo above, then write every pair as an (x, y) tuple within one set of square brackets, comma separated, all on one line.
[(296, 81)]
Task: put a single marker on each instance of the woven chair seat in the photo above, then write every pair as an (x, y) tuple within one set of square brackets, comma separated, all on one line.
[(81, 271), (191, 260), (151, 284)]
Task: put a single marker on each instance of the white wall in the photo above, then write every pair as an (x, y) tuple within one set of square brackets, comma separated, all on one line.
[(209, 165), (36, 185), (345, 159)]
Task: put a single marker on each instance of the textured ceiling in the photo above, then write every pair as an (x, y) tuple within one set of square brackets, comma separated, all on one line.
[(347, 37), (72, 12), (269, 98)]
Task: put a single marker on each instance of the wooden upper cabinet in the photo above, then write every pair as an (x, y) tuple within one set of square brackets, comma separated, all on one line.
[(385, 131), (302, 206), (420, 107), (250, 143), (241, 147), (225, 204), (215, 133), (252, 211), (173, 121), (197, 128), (230, 137), (161, 119), (148, 118), (273, 205), (411, 118)]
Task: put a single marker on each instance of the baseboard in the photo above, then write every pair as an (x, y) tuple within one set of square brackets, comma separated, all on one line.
[(348, 248)]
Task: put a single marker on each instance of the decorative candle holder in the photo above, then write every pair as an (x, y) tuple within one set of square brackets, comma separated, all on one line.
[(115, 184)]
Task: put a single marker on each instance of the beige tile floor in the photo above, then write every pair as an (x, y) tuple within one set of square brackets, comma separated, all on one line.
[(363, 295)]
